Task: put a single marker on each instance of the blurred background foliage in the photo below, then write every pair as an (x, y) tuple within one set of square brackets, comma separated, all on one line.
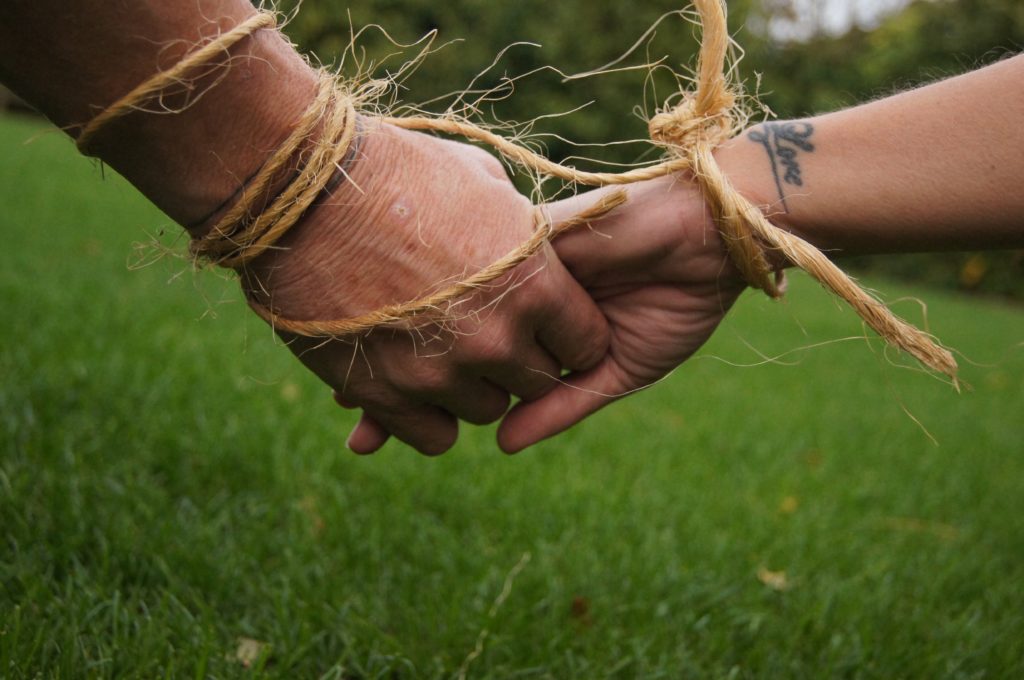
[(910, 44), (796, 61)]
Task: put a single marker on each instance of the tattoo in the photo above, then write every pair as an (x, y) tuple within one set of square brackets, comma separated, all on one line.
[(783, 142)]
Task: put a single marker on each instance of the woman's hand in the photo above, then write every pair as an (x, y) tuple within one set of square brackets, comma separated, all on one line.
[(658, 270)]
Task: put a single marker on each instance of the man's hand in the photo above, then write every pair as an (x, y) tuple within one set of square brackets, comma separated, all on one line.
[(416, 212), (658, 270)]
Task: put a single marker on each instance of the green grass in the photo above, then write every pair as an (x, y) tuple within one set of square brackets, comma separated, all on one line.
[(171, 481)]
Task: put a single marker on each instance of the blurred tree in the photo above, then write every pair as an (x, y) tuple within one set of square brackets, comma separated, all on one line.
[(927, 40)]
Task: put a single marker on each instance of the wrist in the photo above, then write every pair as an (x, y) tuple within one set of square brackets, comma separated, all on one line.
[(745, 164), (191, 163)]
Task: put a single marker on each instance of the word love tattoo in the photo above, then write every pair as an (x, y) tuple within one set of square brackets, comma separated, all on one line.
[(783, 143)]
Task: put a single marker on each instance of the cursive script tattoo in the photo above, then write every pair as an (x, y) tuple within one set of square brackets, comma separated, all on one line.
[(783, 142)]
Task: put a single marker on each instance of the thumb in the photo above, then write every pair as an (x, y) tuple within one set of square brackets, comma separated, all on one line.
[(585, 251), (571, 401)]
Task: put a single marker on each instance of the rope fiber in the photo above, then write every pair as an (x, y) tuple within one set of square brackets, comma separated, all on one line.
[(688, 132)]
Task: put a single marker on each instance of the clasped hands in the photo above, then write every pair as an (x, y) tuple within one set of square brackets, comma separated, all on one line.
[(604, 311)]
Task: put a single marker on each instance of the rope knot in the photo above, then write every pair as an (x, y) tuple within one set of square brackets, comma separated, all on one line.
[(683, 128)]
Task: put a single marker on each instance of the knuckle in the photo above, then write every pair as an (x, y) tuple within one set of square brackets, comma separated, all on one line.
[(492, 166), (422, 377), (487, 161), (474, 159), (495, 345), (368, 394)]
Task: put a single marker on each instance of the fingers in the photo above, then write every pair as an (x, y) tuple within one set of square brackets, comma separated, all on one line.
[(572, 328), (367, 436), (531, 376), (428, 429), (419, 404), (567, 404), (587, 250), (422, 415), (419, 397), (447, 379), (473, 400), (661, 234), (471, 380)]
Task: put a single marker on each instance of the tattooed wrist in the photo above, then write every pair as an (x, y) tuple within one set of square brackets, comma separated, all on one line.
[(783, 143)]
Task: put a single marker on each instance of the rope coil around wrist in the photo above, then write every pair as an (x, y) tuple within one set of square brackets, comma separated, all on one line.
[(689, 132)]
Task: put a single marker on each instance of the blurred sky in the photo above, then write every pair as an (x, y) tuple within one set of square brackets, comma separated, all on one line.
[(831, 17)]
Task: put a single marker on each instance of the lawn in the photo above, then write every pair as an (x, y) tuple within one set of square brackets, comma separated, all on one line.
[(176, 499)]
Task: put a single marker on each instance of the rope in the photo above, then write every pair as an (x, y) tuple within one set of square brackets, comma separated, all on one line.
[(173, 76), (436, 303), (689, 132)]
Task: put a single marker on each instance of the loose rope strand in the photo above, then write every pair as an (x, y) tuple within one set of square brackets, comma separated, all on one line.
[(174, 75), (688, 131), (222, 239), (527, 158), (437, 303)]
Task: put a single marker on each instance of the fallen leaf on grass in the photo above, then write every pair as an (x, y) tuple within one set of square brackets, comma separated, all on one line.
[(290, 392), (309, 506), (250, 651), (973, 271), (580, 610), (946, 532), (997, 380), (813, 458), (789, 505), (776, 580)]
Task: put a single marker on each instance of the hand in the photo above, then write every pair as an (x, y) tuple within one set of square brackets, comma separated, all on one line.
[(657, 268), (418, 211)]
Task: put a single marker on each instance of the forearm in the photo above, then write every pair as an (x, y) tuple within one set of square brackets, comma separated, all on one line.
[(937, 168), (71, 60)]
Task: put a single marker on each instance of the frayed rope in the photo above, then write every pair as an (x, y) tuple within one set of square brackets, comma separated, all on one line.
[(688, 131)]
